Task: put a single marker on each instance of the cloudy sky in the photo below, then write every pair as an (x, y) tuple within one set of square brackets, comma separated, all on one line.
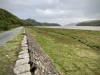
[(56, 11)]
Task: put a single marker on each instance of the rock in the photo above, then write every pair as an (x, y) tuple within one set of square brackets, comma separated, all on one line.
[(22, 69), (24, 55), (22, 62), (24, 48), (24, 42), (27, 73), (24, 51), (24, 45)]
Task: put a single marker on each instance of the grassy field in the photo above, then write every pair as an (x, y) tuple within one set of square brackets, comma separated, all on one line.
[(9, 52), (73, 52)]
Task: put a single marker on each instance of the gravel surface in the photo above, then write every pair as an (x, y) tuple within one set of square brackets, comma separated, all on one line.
[(4, 37)]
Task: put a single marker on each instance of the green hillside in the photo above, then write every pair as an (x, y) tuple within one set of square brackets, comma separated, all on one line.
[(92, 23), (33, 22), (8, 20)]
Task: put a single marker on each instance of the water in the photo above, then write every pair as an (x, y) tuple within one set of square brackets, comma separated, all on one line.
[(74, 27)]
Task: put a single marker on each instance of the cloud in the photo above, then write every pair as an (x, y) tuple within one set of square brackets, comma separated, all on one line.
[(92, 9), (60, 11)]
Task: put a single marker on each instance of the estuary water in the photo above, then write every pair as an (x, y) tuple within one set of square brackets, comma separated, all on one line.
[(97, 28)]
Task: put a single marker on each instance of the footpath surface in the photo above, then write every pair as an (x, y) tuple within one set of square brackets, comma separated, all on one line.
[(22, 66), (4, 37)]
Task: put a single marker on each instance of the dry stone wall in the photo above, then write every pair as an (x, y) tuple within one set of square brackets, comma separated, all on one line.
[(22, 66), (39, 62)]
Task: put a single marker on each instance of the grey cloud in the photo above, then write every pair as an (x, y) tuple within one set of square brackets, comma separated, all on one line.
[(61, 11), (92, 10)]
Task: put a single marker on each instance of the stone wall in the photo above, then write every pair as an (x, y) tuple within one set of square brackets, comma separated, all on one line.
[(22, 66), (40, 63)]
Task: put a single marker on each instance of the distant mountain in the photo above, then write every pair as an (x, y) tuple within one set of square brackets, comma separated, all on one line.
[(71, 24), (89, 23), (33, 22), (8, 20)]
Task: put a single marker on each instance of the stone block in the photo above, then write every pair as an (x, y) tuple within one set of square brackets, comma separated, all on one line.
[(24, 48), (24, 51), (22, 62), (24, 45), (24, 55), (27, 73), (22, 69), (24, 41)]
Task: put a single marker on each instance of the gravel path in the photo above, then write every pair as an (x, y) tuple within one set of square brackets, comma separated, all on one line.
[(4, 37)]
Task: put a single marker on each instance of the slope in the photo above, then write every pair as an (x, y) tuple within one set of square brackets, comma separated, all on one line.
[(90, 23), (8, 20)]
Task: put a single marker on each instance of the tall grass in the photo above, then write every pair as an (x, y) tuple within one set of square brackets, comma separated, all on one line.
[(69, 55)]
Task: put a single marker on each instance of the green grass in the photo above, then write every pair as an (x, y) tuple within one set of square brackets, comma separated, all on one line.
[(69, 55), (9, 52)]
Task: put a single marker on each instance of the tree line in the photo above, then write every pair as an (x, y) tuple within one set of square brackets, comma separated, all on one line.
[(32, 22), (92, 23)]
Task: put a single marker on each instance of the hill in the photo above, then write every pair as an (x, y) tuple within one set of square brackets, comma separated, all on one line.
[(33, 22), (8, 20), (71, 24), (90, 23)]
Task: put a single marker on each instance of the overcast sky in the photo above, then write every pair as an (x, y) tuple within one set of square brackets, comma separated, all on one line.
[(56, 11)]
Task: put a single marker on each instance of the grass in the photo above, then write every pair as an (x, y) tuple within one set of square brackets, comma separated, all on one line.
[(69, 55), (9, 52)]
